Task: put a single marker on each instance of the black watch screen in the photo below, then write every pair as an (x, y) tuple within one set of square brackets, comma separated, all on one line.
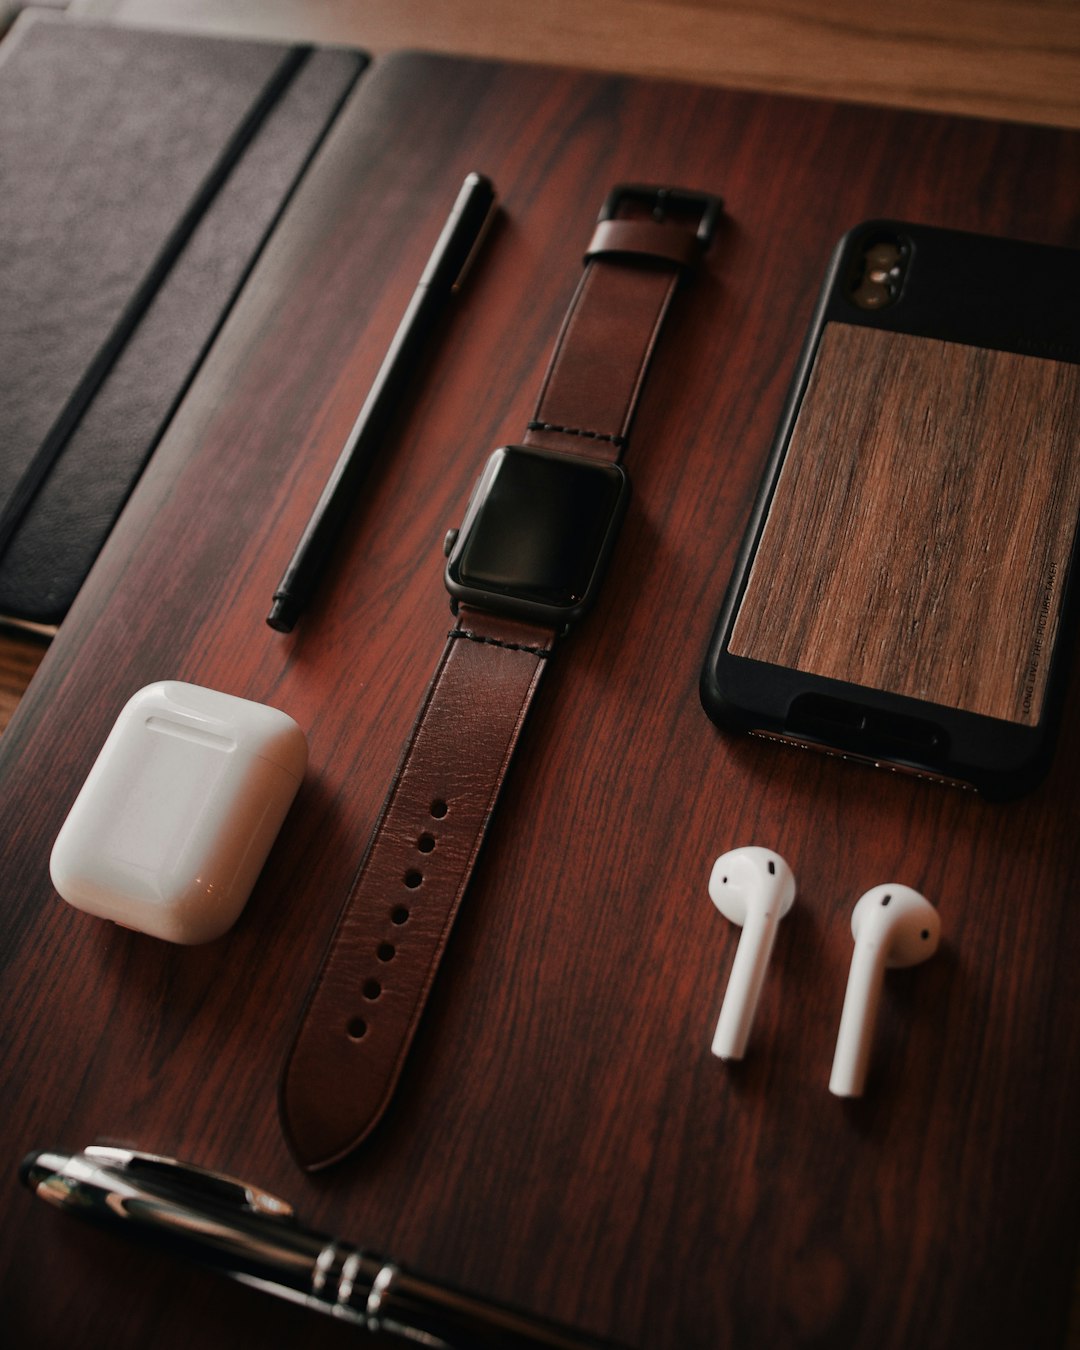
[(538, 533)]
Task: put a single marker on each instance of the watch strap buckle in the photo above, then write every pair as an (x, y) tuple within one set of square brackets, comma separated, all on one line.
[(664, 202)]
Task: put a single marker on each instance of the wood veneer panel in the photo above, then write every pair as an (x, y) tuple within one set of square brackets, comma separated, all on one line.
[(919, 537), (997, 58), (562, 1139)]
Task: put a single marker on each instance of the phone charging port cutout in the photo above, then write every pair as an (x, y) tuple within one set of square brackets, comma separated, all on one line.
[(866, 731)]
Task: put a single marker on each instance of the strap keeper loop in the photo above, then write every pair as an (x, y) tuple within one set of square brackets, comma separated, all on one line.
[(644, 239)]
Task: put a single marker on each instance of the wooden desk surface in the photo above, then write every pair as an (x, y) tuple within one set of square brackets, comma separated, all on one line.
[(1010, 59), (1002, 58), (942, 1172)]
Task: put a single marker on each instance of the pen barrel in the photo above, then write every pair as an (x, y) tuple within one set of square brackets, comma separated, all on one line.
[(273, 1254), (457, 244), (414, 1309), (257, 1242)]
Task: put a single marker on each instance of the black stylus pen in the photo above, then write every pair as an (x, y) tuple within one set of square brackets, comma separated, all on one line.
[(460, 238), (243, 1232)]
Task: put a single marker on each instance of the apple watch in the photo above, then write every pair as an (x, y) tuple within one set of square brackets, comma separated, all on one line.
[(525, 565), (537, 534)]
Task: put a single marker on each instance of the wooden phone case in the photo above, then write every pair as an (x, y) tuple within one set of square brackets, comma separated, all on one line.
[(902, 594)]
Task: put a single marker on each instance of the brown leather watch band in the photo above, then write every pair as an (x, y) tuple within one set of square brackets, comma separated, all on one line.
[(362, 1011), (366, 1003), (598, 366)]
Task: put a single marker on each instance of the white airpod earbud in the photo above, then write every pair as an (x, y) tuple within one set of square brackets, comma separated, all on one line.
[(892, 926), (754, 888)]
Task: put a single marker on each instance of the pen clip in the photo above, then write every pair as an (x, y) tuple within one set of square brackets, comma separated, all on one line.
[(200, 1181), (478, 244)]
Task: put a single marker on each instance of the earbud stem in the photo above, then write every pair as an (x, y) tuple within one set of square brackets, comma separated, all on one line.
[(744, 984), (856, 1034)]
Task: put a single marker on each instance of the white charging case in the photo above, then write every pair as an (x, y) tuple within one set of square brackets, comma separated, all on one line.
[(179, 812)]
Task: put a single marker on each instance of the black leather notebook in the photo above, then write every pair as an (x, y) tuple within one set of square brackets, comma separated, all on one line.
[(142, 172)]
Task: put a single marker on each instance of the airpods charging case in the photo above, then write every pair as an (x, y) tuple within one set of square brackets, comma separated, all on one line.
[(179, 812)]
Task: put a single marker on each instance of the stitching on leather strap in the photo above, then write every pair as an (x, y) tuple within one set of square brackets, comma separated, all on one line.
[(498, 642), (620, 441)]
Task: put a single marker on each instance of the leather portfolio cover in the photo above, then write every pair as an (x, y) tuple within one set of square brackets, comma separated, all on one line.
[(561, 1139), (142, 172)]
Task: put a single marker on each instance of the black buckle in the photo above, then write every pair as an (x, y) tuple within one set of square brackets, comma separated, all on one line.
[(664, 200)]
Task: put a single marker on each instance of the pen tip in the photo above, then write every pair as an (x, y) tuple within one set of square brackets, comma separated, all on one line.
[(28, 1169), (283, 614)]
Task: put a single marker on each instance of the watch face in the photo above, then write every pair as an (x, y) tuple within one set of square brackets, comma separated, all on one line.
[(539, 530)]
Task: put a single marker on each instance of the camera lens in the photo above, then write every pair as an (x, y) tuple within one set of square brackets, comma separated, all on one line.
[(878, 273)]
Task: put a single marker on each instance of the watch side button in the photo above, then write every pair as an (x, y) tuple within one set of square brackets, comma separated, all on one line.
[(449, 542)]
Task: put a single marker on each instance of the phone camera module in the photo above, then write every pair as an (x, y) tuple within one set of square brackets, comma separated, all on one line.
[(878, 272)]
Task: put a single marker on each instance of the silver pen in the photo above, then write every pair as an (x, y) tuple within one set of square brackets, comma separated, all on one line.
[(252, 1236)]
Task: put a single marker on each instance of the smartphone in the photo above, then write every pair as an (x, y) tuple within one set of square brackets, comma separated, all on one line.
[(905, 590)]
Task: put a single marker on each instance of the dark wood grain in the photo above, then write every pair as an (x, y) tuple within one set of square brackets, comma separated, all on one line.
[(562, 1138), (920, 534), (20, 657)]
